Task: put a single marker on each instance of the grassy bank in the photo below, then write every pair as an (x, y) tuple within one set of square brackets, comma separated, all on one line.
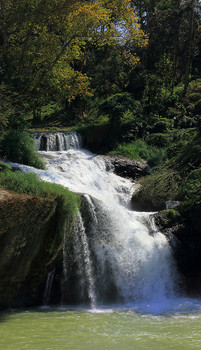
[(18, 182)]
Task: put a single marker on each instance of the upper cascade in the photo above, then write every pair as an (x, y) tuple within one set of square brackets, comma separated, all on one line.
[(57, 141)]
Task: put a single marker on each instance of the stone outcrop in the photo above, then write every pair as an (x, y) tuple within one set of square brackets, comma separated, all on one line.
[(29, 245), (147, 204), (184, 234), (126, 167)]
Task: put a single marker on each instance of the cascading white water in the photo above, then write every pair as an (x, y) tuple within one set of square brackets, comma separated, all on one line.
[(82, 254), (56, 141), (121, 255)]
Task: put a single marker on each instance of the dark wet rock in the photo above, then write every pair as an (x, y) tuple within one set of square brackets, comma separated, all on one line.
[(140, 204), (184, 234), (126, 167), (29, 245), (15, 169)]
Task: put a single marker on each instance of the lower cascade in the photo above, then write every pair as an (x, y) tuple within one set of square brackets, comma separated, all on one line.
[(117, 254)]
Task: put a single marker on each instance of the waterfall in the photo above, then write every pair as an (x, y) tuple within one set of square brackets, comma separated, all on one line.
[(56, 141), (82, 255), (117, 253), (48, 287)]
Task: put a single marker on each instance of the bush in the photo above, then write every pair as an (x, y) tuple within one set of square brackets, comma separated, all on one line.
[(195, 96), (18, 146), (140, 150), (116, 105), (159, 139), (4, 166), (132, 124)]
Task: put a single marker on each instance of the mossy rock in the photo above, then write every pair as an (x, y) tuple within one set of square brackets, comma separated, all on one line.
[(168, 218)]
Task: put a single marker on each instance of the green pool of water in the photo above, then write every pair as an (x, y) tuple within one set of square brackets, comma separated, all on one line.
[(107, 329)]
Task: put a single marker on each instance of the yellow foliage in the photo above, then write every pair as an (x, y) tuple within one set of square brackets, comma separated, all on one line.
[(46, 37)]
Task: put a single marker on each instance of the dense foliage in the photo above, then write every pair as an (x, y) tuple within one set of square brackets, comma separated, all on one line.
[(18, 146), (127, 71), (43, 48)]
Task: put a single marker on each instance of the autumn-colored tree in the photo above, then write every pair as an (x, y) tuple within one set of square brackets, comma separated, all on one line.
[(44, 43)]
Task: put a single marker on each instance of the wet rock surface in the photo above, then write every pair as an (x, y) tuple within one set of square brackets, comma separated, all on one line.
[(126, 167), (28, 246), (184, 234)]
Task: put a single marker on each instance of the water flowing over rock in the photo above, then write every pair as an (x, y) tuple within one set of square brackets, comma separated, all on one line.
[(113, 253), (48, 287), (56, 141)]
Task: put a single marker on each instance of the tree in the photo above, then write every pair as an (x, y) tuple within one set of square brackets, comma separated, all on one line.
[(44, 43)]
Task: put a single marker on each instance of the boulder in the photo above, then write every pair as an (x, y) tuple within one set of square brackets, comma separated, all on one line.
[(126, 167)]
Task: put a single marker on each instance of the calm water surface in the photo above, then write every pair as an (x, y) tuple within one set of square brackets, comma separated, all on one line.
[(112, 329)]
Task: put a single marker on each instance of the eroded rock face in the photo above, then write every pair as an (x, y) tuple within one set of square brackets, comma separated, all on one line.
[(126, 167), (141, 204), (184, 234), (28, 246)]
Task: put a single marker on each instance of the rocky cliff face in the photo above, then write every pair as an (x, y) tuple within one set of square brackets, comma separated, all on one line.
[(184, 233), (29, 245)]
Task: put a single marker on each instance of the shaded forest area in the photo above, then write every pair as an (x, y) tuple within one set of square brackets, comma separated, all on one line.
[(126, 73)]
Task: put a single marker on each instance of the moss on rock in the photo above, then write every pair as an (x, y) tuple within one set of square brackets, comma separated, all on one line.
[(30, 244)]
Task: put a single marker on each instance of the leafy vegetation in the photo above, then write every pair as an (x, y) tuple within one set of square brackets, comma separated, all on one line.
[(190, 189), (44, 47), (141, 150), (18, 146), (4, 166), (178, 179), (128, 72)]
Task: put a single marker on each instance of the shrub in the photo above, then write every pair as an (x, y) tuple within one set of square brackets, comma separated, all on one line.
[(140, 150), (116, 105), (132, 124), (195, 96), (159, 139), (18, 146), (4, 166)]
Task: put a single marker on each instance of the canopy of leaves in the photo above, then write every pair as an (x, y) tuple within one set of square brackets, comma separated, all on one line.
[(43, 42)]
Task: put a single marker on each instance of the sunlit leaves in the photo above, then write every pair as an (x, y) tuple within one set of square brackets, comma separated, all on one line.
[(45, 40)]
